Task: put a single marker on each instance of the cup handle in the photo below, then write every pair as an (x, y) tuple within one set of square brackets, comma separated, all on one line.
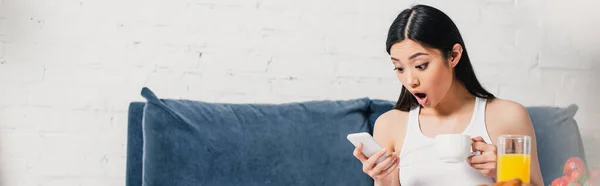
[(475, 153)]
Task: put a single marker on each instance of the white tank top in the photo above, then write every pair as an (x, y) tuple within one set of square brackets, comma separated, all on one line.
[(419, 164)]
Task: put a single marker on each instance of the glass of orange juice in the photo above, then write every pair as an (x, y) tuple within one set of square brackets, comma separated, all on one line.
[(514, 158)]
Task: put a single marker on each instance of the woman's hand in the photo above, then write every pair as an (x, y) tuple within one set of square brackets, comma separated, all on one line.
[(376, 171), (486, 162)]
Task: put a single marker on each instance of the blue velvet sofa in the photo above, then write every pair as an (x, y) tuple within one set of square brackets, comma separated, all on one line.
[(184, 142)]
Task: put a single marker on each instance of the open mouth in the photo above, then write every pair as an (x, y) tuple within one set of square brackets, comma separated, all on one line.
[(421, 98), (421, 95)]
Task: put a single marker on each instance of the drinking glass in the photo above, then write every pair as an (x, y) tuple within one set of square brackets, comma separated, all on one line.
[(514, 158)]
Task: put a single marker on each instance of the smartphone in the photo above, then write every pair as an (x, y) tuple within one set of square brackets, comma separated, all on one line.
[(370, 146)]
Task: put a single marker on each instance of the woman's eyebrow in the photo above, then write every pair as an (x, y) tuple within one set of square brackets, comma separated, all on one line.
[(417, 55), (411, 57)]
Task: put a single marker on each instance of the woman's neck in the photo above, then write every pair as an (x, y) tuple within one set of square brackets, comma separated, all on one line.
[(453, 102)]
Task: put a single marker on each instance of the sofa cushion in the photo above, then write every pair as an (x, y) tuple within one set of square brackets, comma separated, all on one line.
[(376, 109), (198, 143), (558, 138)]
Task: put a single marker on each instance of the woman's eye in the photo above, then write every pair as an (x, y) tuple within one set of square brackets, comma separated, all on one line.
[(422, 66), (399, 69)]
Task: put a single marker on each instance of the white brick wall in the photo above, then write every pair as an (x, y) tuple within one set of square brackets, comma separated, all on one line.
[(69, 68)]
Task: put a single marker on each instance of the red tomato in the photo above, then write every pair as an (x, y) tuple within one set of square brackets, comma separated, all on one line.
[(561, 181), (574, 165), (575, 175)]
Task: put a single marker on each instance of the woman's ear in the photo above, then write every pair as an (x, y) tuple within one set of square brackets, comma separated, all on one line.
[(455, 54)]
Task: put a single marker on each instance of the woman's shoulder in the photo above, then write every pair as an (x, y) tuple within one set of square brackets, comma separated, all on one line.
[(503, 107), (389, 126), (506, 114), (391, 118)]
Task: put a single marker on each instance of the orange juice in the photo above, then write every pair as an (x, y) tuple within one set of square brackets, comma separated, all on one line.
[(512, 166)]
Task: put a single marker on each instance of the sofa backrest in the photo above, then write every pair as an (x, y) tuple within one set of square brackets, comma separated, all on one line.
[(182, 142)]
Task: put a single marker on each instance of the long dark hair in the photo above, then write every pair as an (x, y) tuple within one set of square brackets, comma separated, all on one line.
[(432, 28)]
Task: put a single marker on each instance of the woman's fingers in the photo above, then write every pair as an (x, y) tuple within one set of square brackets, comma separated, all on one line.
[(358, 153), (483, 166), (381, 166), (486, 158), (373, 159), (370, 165), (392, 167)]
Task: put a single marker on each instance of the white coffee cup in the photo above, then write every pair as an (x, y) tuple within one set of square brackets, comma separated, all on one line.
[(453, 147)]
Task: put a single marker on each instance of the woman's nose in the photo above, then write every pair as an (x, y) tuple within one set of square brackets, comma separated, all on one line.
[(413, 81)]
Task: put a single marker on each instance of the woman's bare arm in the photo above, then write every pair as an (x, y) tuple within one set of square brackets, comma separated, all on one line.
[(389, 132)]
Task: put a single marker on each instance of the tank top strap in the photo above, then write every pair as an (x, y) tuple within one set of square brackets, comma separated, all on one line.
[(412, 125), (481, 105), (479, 114), (413, 115), (479, 126), (413, 121)]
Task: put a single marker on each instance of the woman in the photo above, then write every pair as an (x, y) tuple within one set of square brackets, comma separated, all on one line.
[(440, 95)]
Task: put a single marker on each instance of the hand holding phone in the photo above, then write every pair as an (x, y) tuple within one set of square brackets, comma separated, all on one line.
[(375, 159), (369, 147)]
